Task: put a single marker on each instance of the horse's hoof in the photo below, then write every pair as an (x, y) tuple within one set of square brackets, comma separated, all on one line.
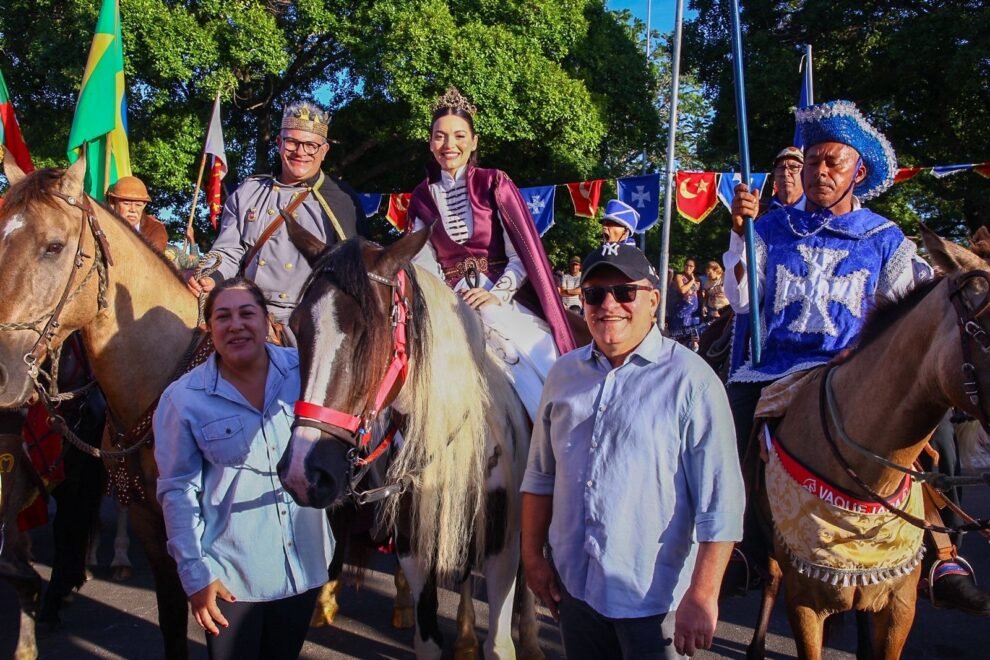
[(121, 573), (402, 618), (467, 650), (324, 614), (89, 573)]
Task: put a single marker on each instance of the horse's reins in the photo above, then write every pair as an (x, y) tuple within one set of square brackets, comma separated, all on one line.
[(359, 426), (970, 331)]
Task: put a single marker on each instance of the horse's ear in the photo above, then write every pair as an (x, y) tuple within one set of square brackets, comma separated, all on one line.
[(403, 251), (308, 245), (72, 181), (947, 256), (11, 169)]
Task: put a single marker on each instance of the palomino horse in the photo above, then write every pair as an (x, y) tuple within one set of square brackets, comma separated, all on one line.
[(68, 259), (916, 358), (465, 438)]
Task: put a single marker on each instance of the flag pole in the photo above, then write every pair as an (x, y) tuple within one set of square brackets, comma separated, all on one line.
[(190, 235), (668, 197), (646, 51), (810, 76), (737, 65)]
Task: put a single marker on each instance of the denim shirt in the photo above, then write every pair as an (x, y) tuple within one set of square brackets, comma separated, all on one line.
[(641, 463), (226, 513)]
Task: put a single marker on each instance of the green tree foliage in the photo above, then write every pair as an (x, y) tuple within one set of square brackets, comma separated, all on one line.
[(917, 69), (563, 90)]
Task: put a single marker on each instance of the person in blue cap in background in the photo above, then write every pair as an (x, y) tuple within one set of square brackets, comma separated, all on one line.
[(820, 267), (619, 223)]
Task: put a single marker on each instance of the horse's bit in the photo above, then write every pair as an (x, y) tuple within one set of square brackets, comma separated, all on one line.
[(359, 426)]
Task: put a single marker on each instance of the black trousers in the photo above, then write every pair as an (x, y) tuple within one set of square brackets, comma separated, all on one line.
[(587, 635), (271, 630)]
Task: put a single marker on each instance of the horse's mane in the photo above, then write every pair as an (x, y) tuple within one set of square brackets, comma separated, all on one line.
[(38, 186), (457, 399), (887, 312), (344, 267)]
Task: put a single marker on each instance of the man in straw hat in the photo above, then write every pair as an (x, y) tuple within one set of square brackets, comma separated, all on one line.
[(252, 238), (820, 266)]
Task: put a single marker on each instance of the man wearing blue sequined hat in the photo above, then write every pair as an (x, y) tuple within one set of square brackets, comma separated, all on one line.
[(821, 266)]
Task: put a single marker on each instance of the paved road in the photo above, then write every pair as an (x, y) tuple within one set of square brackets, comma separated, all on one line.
[(110, 620)]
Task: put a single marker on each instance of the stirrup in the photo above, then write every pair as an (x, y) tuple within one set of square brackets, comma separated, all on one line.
[(938, 562), (745, 562)]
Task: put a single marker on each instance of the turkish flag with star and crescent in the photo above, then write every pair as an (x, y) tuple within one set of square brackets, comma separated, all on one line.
[(398, 206), (697, 194), (585, 196)]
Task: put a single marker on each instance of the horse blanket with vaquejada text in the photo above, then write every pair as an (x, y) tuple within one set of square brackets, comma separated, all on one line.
[(837, 539)]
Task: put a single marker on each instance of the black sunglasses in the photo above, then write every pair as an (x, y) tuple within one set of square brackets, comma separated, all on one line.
[(623, 293)]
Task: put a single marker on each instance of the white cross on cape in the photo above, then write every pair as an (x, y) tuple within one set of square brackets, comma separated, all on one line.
[(818, 289)]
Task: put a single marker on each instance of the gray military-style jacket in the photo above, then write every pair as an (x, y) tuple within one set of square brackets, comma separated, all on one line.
[(278, 268)]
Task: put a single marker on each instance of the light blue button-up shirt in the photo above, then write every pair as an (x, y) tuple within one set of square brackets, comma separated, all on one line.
[(226, 513), (641, 463)]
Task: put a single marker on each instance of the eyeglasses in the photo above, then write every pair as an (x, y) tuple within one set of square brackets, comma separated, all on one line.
[(308, 148), (623, 293), (790, 169)]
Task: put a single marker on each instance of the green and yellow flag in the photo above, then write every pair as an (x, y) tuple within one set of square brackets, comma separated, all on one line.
[(100, 123)]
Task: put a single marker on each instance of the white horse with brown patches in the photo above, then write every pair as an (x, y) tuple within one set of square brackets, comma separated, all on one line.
[(374, 331)]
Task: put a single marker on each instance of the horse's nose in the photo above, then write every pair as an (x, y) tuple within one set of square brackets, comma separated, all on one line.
[(326, 472), (3, 378)]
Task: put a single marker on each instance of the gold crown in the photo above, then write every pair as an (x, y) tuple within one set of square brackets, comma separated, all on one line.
[(455, 100), (306, 116)]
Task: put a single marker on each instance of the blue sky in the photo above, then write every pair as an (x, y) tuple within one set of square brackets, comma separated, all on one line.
[(662, 18)]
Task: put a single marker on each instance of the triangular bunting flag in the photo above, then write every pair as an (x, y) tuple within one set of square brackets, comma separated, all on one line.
[(398, 205), (370, 203), (905, 173), (540, 202), (643, 194), (729, 180), (696, 194), (585, 197)]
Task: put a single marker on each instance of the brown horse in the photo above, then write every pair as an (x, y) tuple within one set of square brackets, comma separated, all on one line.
[(916, 358), (135, 315)]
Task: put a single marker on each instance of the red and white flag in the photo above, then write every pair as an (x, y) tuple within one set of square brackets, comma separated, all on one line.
[(585, 196), (214, 147)]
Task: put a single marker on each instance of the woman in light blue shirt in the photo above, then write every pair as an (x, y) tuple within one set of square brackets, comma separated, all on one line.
[(250, 560)]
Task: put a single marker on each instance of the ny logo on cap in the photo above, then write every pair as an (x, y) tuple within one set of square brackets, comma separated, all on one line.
[(610, 249)]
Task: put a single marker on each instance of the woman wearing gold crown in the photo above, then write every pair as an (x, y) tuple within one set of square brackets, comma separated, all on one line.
[(485, 246)]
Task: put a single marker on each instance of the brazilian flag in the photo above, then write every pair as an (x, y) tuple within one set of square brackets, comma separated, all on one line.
[(99, 127)]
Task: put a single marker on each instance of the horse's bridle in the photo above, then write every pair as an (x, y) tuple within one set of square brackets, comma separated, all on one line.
[(970, 331), (359, 426), (101, 260)]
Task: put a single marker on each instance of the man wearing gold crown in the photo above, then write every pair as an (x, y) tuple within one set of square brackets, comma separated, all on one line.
[(252, 236)]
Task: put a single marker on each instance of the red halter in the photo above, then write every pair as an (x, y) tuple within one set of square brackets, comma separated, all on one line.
[(394, 374)]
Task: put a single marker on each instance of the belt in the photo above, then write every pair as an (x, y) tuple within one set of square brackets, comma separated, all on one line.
[(475, 264)]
